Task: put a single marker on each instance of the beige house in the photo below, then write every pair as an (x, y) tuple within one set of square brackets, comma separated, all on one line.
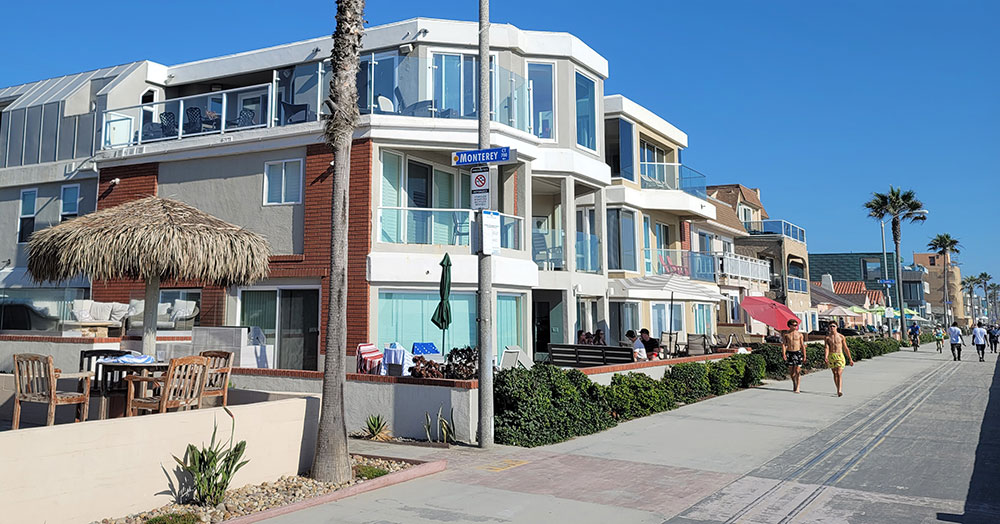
[(936, 265)]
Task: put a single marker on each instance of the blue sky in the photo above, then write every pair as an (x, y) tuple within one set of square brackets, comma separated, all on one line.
[(818, 103)]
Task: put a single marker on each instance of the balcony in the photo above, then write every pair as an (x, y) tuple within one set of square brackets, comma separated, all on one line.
[(698, 266), (797, 285), (440, 227), (776, 227), (671, 176), (443, 86), (547, 248), (741, 267)]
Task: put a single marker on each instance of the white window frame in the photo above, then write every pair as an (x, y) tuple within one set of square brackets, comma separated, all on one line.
[(494, 77), (739, 212), (597, 131), (62, 201), (669, 313), (302, 168), (20, 210), (555, 100)]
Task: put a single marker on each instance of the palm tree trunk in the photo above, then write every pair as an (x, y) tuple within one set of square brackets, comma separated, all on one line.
[(944, 301), (896, 239), (331, 463)]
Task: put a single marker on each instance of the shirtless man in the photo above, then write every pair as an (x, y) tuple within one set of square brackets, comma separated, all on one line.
[(793, 347), (836, 348)]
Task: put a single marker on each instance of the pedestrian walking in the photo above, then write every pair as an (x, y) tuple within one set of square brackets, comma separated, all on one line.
[(994, 332), (793, 350), (955, 337), (834, 352), (979, 339)]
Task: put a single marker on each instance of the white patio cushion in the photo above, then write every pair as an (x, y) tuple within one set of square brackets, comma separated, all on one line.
[(101, 311)]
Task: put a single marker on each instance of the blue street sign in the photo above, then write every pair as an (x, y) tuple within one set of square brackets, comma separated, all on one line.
[(496, 155), (887, 281)]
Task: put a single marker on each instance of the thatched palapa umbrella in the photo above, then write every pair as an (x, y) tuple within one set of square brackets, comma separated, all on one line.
[(149, 239)]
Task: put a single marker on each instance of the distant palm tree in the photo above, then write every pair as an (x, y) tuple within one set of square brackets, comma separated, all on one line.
[(969, 284), (994, 300), (984, 282), (944, 244), (900, 205)]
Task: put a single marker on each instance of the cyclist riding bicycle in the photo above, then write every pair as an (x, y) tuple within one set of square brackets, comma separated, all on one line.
[(939, 338), (915, 336)]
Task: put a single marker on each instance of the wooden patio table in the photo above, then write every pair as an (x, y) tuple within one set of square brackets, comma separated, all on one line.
[(114, 373)]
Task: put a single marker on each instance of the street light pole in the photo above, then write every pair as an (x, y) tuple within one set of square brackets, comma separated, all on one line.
[(885, 276)]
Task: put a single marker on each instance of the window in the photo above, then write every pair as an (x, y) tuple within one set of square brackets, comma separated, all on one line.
[(746, 214), (621, 240), (540, 81), (508, 322), (26, 224), (703, 319), (647, 253), (931, 260), (623, 316), (283, 182), (586, 112), (665, 318), (184, 307), (619, 143), (653, 164), (871, 269), (662, 236), (70, 202), (727, 246), (405, 317)]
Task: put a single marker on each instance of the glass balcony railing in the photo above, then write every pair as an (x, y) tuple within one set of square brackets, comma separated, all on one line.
[(776, 227), (443, 86), (210, 113), (798, 285), (442, 227), (40, 309), (665, 175), (588, 253), (698, 266), (738, 266), (547, 248)]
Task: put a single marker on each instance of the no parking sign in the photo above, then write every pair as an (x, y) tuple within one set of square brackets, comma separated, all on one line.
[(480, 187)]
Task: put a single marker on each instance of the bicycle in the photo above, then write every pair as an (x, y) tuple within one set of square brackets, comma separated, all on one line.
[(915, 340), (940, 344)]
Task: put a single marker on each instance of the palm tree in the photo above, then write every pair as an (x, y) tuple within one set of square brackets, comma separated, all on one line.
[(900, 205), (944, 244), (984, 282), (969, 284), (331, 463), (994, 300)]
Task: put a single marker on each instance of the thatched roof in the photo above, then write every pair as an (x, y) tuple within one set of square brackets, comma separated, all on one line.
[(148, 237)]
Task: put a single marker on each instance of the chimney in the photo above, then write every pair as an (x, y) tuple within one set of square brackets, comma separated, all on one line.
[(828, 282)]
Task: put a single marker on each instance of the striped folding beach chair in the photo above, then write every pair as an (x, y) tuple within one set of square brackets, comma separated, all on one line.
[(369, 359)]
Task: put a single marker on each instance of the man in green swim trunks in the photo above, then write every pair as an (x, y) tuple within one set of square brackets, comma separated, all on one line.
[(793, 351), (836, 347)]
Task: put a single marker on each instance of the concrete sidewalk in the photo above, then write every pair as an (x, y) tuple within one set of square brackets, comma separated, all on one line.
[(900, 446)]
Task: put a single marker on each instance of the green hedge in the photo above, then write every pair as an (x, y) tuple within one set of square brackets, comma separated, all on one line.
[(688, 381), (754, 368), (775, 367), (635, 395), (722, 377)]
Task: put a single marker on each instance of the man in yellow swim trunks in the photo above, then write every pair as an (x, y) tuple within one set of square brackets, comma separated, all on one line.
[(836, 347)]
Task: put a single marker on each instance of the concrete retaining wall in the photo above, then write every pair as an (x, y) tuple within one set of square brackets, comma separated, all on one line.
[(65, 351), (110, 468), (402, 401)]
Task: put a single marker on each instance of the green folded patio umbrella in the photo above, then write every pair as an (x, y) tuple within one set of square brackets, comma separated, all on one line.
[(442, 314), (859, 309)]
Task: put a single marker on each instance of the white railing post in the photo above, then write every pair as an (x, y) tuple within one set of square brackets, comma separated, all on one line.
[(104, 126), (271, 105), (180, 119), (222, 117)]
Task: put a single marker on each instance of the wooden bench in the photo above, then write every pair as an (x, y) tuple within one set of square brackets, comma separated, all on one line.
[(584, 356)]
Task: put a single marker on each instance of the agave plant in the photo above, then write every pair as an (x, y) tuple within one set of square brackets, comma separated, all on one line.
[(376, 428), (212, 467)]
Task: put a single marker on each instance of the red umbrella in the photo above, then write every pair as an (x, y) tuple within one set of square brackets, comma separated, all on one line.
[(774, 314)]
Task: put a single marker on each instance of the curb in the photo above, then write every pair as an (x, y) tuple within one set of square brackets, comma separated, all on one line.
[(419, 469)]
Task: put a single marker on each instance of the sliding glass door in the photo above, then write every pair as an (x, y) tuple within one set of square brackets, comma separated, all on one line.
[(290, 321)]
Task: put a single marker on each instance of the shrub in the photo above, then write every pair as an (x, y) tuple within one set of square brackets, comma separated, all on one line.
[(815, 354), (212, 467), (462, 364), (722, 377), (369, 472), (688, 381), (545, 405), (376, 428), (754, 368), (635, 395), (774, 365), (175, 518)]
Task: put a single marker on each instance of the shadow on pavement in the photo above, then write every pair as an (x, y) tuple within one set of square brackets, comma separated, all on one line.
[(981, 500)]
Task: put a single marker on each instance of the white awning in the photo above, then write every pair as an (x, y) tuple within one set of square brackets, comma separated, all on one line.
[(18, 277), (660, 287)]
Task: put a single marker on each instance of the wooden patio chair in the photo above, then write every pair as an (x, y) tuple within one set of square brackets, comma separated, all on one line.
[(220, 365), (104, 384), (35, 379), (181, 387)]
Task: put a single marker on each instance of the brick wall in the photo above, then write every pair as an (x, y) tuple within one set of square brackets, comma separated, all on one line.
[(685, 235), (135, 182)]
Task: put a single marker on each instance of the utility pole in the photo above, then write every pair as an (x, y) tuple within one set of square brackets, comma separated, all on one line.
[(485, 260), (885, 276)]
